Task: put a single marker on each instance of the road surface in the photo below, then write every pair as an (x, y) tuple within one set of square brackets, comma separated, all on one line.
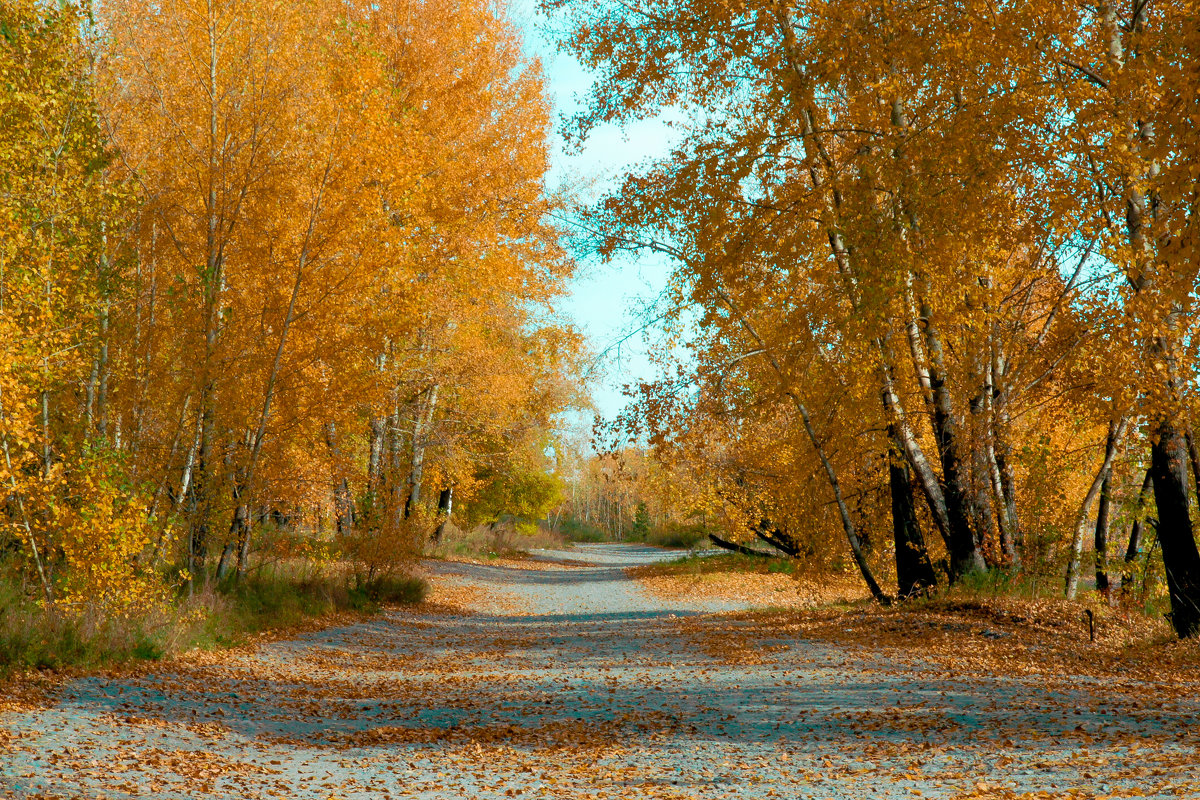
[(570, 681)]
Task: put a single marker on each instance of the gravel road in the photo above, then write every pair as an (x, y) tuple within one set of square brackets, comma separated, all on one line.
[(567, 680)]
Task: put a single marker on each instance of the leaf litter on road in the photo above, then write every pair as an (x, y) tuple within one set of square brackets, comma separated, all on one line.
[(580, 683)]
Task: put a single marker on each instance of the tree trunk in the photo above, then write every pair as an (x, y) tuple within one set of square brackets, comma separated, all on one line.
[(1101, 537), (102, 373), (964, 554), (931, 487), (394, 491), (1134, 548), (223, 561), (47, 586), (775, 537), (375, 452), (241, 520), (420, 440), (1181, 560), (1115, 431), (1002, 453), (987, 535), (198, 496), (343, 507), (914, 572), (734, 547), (445, 507), (343, 503), (847, 523), (1194, 458), (1168, 450), (239, 528)]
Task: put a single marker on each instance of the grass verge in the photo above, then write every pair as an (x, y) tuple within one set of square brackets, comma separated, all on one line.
[(275, 598)]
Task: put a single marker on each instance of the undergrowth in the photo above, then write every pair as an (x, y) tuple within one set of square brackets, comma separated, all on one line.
[(504, 539), (673, 535), (276, 597), (1005, 594)]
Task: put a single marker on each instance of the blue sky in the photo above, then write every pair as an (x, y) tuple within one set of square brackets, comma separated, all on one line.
[(605, 298)]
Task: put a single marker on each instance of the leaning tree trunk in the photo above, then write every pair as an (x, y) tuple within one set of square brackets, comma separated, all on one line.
[(914, 572), (734, 547), (776, 537), (1181, 560), (847, 523), (912, 450), (931, 487), (242, 512), (848, 526)]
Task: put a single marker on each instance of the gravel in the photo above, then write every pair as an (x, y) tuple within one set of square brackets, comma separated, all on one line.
[(569, 681)]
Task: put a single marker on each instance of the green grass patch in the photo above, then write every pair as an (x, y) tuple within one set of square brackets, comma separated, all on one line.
[(36, 638)]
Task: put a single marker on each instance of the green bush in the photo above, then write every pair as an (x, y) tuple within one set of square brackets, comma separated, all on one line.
[(677, 535), (392, 590), (574, 530)]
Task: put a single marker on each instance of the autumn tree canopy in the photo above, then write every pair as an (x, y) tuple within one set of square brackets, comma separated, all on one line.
[(267, 265), (944, 259)]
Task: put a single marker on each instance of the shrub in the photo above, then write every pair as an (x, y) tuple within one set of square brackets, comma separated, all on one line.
[(674, 534), (574, 530)]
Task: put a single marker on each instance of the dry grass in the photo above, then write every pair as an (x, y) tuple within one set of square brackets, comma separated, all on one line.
[(279, 599), (961, 634), (491, 542), (762, 582), (967, 628)]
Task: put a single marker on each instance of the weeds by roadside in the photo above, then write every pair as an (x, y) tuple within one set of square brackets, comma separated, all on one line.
[(279, 596), (503, 539)]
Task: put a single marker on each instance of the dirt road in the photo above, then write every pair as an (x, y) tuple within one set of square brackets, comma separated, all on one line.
[(570, 681)]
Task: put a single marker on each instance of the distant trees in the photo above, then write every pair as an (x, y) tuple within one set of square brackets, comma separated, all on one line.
[(941, 256)]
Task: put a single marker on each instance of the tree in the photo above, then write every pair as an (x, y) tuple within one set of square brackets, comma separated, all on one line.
[(928, 215)]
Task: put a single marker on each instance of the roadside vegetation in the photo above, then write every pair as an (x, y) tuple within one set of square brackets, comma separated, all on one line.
[(275, 599), (507, 537)]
